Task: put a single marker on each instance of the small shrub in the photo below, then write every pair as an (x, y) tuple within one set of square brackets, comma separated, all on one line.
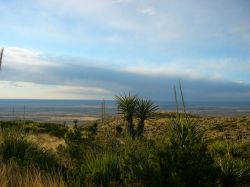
[(186, 161), (41, 158), (53, 129), (218, 148), (73, 139), (93, 129), (119, 129), (185, 132), (139, 164), (30, 128), (15, 147), (192, 166), (73, 136), (233, 171), (8, 124)]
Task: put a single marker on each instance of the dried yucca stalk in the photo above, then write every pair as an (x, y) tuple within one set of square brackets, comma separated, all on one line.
[(1, 57)]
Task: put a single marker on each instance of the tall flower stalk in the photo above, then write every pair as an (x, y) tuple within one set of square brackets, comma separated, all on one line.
[(1, 57)]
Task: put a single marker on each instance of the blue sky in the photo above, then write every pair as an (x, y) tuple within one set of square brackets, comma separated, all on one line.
[(79, 49)]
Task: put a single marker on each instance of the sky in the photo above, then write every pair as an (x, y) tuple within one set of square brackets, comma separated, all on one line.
[(79, 49)]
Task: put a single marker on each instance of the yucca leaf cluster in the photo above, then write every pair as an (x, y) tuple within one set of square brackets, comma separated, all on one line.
[(133, 107)]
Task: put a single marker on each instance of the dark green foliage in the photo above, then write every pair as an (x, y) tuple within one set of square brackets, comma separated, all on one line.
[(35, 127), (139, 164), (9, 124), (41, 158), (119, 129), (15, 147), (233, 171), (92, 132), (234, 168), (93, 157), (93, 129), (185, 132), (32, 128), (73, 139), (218, 149), (75, 122), (52, 129), (186, 161), (192, 166), (73, 136)]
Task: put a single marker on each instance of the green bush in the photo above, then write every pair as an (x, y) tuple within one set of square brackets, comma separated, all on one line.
[(218, 148), (233, 171), (192, 166), (230, 158), (93, 129), (139, 164), (15, 147), (8, 124), (73, 139), (41, 158), (73, 136), (53, 129), (186, 161), (185, 132), (30, 128)]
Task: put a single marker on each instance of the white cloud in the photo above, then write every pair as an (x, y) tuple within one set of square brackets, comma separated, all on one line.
[(30, 90), (147, 11), (124, 1), (24, 58), (113, 39), (80, 90), (225, 69), (187, 20)]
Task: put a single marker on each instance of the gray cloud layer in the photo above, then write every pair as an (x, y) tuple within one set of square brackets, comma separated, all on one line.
[(23, 67)]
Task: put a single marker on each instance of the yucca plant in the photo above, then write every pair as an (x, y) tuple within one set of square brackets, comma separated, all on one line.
[(233, 171), (184, 129), (187, 154), (185, 132), (127, 107), (102, 170), (144, 110)]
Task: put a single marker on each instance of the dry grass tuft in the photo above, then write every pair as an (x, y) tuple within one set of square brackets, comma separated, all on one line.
[(12, 175), (46, 141)]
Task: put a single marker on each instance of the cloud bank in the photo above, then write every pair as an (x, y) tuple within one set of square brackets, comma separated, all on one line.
[(31, 74)]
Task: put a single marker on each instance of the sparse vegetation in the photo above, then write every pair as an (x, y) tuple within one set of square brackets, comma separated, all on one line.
[(176, 149)]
